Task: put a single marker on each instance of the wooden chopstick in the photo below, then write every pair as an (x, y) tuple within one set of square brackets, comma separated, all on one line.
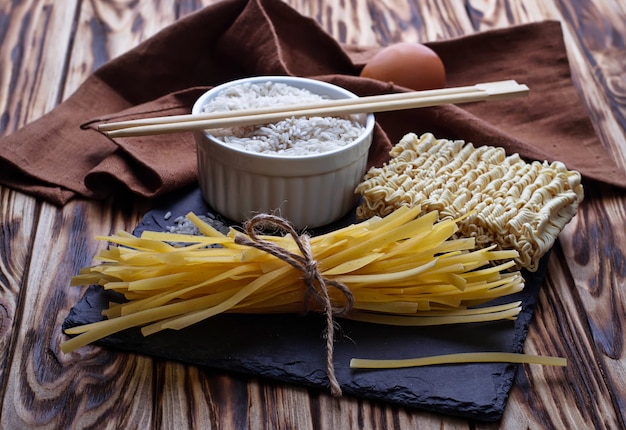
[(379, 103), (325, 103)]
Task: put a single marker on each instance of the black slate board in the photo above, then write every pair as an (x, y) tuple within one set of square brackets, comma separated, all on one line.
[(290, 348)]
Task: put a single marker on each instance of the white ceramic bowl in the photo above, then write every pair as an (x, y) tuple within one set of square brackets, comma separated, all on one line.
[(309, 190)]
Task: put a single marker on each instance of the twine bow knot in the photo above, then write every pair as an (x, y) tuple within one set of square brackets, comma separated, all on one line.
[(316, 284)]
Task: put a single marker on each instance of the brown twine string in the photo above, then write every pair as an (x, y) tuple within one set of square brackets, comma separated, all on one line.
[(316, 284)]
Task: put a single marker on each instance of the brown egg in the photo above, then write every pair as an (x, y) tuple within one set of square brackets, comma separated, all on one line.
[(411, 65)]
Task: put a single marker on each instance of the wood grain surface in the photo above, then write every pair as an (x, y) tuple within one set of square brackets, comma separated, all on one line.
[(48, 48)]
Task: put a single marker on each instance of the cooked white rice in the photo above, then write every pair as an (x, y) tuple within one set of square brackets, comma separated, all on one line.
[(289, 137)]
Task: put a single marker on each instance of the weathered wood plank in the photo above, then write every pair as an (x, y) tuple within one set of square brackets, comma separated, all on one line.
[(276, 406), (41, 380), (594, 246), (387, 21), (182, 397), (352, 413), (17, 221), (26, 55), (107, 29), (34, 42), (579, 393), (185, 7)]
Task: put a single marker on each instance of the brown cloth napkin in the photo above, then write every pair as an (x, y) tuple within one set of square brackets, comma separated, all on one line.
[(62, 155)]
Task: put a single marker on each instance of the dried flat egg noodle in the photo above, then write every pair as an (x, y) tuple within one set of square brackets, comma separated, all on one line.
[(502, 199), (402, 269)]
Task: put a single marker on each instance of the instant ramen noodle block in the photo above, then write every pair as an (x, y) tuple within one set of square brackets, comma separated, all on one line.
[(500, 199)]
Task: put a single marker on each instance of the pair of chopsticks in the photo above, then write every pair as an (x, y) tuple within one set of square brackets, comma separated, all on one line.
[(380, 103)]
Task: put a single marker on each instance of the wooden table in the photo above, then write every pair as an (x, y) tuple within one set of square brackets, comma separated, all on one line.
[(47, 48)]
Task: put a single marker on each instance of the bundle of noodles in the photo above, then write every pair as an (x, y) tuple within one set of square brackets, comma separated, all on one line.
[(405, 268), (502, 199)]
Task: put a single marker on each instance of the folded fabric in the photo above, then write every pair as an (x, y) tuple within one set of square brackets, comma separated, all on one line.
[(238, 38)]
